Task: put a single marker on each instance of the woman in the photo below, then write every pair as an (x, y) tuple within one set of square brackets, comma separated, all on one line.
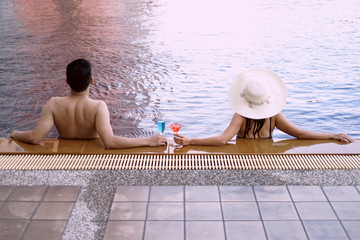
[(258, 96)]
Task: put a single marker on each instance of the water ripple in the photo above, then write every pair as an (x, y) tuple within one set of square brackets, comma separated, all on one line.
[(175, 59)]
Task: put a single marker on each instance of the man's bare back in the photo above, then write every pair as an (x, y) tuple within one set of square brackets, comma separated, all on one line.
[(74, 116), (78, 116)]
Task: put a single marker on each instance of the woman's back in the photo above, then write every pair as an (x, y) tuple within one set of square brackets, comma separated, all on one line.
[(262, 128)]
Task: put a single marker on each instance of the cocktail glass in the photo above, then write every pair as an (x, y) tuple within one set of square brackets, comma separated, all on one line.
[(161, 126), (175, 127)]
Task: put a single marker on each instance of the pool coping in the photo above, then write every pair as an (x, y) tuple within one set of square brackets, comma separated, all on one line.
[(238, 146)]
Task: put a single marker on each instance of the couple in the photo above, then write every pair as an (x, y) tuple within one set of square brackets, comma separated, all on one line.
[(257, 96)]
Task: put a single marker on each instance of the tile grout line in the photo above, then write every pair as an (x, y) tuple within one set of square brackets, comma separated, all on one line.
[(357, 188), (258, 207), (35, 210), (341, 224), (12, 191), (184, 205), (27, 220), (222, 213), (147, 211), (7, 198), (297, 212)]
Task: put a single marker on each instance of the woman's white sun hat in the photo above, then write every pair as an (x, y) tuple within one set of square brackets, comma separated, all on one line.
[(257, 94)]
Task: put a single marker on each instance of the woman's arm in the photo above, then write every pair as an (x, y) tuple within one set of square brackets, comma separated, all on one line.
[(284, 125), (219, 140)]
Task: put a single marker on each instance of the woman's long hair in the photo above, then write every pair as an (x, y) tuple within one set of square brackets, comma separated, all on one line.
[(256, 124)]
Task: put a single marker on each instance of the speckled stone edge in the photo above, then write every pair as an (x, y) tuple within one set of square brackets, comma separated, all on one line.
[(90, 213)]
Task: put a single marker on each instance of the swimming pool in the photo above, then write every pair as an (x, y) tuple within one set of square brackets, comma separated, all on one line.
[(175, 60)]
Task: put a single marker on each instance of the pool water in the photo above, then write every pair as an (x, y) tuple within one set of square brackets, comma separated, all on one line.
[(175, 60)]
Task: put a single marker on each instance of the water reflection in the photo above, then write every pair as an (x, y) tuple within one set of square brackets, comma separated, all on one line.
[(111, 34), (274, 146), (175, 59)]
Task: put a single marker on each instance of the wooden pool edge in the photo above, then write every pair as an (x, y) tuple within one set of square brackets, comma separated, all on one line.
[(240, 146)]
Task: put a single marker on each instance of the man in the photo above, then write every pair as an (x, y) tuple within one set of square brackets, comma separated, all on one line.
[(80, 117)]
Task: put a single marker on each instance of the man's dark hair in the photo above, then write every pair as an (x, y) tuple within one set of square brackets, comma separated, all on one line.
[(78, 74)]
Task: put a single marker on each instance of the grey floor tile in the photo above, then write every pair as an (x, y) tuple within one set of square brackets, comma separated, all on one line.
[(201, 193), (27, 193), (128, 211), (342, 193), (164, 230), (240, 211), (167, 193), (245, 230), (315, 211), (5, 192), (272, 193), (62, 193), (203, 211), (54, 210), (132, 193), (347, 210), (353, 229), (278, 211), (284, 230), (124, 230), (44, 230), (166, 211), (237, 193), (307, 193), (324, 230), (12, 229), (209, 230), (17, 210)]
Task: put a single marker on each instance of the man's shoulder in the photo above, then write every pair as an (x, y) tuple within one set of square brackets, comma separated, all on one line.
[(97, 106), (52, 101), (97, 102), (56, 99)]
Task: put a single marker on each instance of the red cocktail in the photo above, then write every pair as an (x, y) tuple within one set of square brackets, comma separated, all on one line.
[(175, 127)]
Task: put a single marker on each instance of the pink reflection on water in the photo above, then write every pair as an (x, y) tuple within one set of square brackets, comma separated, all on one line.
[(105, 32)]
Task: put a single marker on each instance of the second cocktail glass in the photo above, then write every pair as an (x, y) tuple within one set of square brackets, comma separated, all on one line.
[(175, 127)]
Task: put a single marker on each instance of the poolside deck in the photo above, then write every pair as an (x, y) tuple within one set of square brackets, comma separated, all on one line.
[(183, 204)]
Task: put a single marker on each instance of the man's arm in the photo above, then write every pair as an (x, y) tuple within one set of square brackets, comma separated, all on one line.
[(104, 129), (43, 127)]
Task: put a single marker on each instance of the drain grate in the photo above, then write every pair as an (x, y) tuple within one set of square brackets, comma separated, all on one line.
[(180, 162)]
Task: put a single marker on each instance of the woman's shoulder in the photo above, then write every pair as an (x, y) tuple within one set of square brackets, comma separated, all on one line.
[(278, 116), (238, 116), (238, 119)]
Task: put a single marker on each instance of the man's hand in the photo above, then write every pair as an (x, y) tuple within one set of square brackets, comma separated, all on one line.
[(13, 134), (157, 140), (25, 136)]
